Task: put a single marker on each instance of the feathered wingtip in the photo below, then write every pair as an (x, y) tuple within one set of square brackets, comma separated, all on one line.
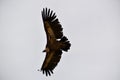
[(47, 72), (48, 14)]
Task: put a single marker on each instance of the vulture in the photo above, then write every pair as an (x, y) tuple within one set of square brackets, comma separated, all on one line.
[(56, 41)]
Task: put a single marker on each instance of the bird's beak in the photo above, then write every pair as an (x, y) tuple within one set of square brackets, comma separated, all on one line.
[(44, 51)]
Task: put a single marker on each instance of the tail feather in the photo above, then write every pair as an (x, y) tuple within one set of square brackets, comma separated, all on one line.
[(65, 44)]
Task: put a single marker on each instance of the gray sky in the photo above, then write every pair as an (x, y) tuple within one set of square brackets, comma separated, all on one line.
[(92, 26)]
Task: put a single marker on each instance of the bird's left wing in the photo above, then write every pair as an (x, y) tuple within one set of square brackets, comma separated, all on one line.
[(52, 26)]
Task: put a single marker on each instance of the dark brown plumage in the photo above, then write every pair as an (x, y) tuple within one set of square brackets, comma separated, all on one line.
[(56, 41)]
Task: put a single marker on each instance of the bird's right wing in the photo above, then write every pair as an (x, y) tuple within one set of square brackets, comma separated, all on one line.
[(51, 60)]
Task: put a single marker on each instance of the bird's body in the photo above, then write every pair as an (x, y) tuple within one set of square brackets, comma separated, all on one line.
[(54, 46)]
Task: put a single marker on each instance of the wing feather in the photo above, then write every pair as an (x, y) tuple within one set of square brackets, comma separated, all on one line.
[(50, 17), (50, 62)]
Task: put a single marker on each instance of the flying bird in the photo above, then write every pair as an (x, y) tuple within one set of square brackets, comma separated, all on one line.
[(56, 41)]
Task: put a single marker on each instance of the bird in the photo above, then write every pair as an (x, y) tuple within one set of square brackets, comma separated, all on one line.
[(56, 41)]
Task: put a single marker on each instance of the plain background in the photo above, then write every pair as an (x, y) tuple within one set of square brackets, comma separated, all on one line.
[(92, 26)]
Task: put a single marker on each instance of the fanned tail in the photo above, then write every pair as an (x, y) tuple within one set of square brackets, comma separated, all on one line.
[(65, 44)]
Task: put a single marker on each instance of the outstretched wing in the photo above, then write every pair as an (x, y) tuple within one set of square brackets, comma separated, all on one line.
[(51, 61), (54, 47), (51, 24)]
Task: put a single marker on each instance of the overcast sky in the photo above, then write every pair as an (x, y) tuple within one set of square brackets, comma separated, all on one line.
[(92, 26)]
